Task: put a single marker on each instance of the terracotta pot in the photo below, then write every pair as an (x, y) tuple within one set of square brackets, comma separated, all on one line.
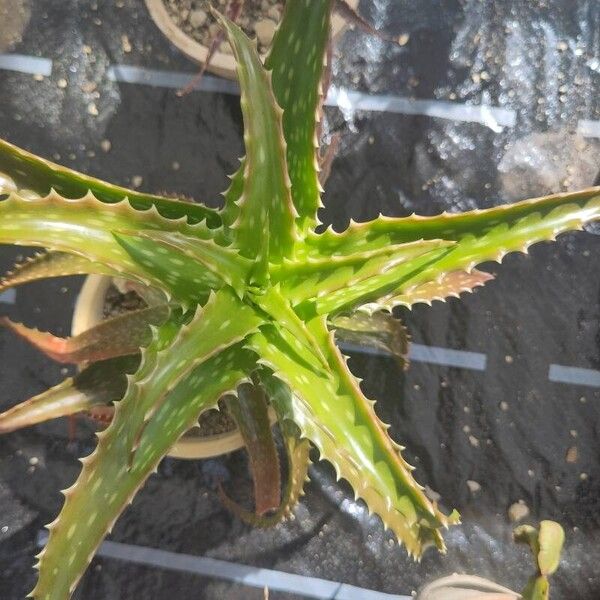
[(222, 64), (465, 587), (89, 310)]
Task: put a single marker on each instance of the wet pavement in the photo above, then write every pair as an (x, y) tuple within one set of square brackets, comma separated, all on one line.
[(507, 427)]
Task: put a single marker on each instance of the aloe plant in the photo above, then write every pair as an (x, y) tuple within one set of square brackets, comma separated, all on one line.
[(248, 298)]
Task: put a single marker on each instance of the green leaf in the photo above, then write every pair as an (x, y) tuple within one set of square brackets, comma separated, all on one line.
[(99, 384), (226, 265), (551, 539), (351, 277), (186, 280), (250, 411), (373, 282), (296, 61), (331, 411), (222, 322), (51, 264), (118, 336), (108, 483), (84, 227), (265, 229), (379, 330), (503, 228), (450, 284), (41, 176), (537, 588)]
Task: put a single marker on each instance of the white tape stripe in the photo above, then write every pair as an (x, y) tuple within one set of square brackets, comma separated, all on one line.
[(22, 63), (575, 375), (491, 116), (588, 128), (310, 587), (169, 79), (8, 297), (435, 355)]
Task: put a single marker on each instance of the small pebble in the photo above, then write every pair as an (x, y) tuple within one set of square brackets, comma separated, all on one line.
[(403, 39), (175, 166), (38, 77), (136, 181), (264, 31), (198, 18), (504, 405), (473, 441), (92, 109), (473, 486), (62, 83), (34, 460), (508, 359), (518, 511), (572, 454), (105, 145), (125, 44)]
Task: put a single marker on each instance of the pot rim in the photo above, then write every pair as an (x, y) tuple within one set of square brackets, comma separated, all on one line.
[(221, 63)]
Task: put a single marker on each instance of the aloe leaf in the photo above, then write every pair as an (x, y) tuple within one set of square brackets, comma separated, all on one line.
[(296, 61), (450, 284), (108, 482), (298, 458), (379, 330), (523, 223), (118, 336), (250, 411), (186, 280), (370, 284), (311, 279), (222, 322), (40, 175), (99, 384), (83, 227), (225, 264), (265, 228), (51, 264), (348, 433)]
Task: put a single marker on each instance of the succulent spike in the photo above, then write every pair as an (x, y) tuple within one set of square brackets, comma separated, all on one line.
[(450, 284), (225, 264), (250, 412), (559, 212), (99, 384), (358, 291), (184, 280), (222, 322), (107, 484), (118, 336), (51, 264), (265, 224), (296, 61), (42, 176), (83, 227), (298, 457), (308, 279), (349, 434)]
